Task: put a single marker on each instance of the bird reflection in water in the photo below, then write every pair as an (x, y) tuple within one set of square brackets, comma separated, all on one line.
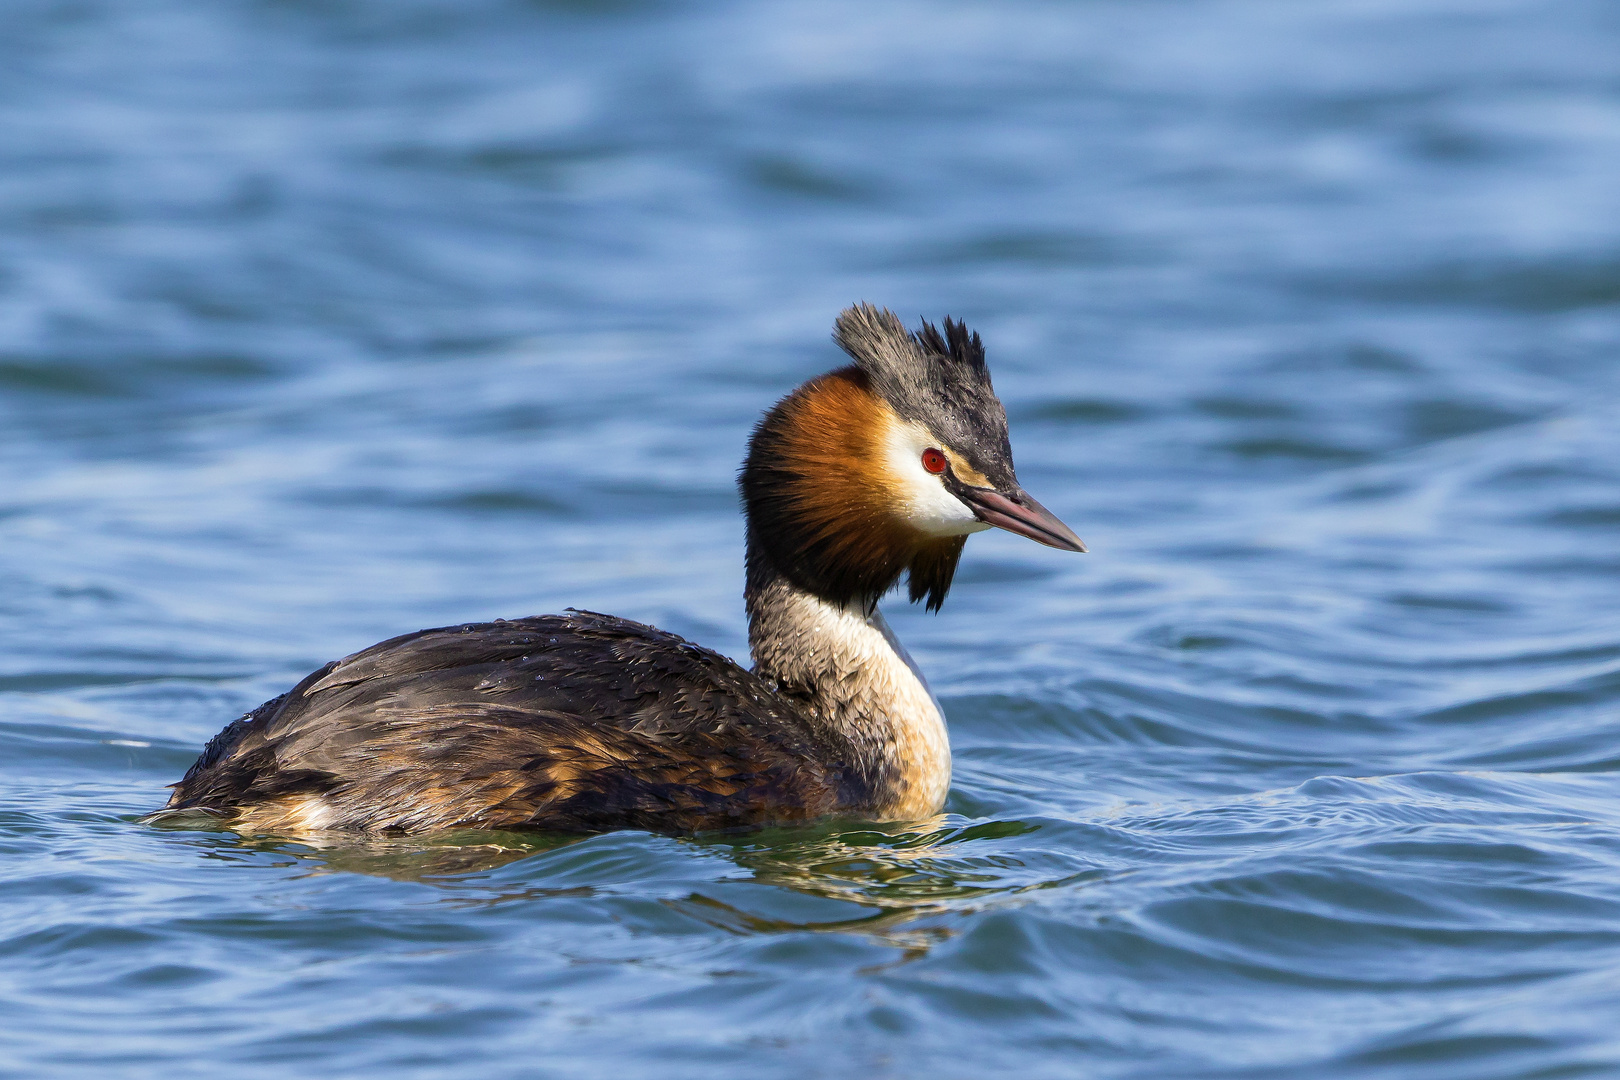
[(886, 882)]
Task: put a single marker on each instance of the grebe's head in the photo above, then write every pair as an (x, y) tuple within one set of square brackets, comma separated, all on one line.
[(886, 466)]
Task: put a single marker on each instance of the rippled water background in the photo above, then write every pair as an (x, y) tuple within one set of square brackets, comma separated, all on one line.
[(321, 322)]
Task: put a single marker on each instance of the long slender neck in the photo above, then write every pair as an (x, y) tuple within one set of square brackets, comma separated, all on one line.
[(852, 679)]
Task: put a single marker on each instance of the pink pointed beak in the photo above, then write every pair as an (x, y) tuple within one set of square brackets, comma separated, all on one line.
[(1021, 514)]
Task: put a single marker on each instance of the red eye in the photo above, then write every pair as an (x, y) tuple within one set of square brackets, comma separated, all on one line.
[(933, 460)]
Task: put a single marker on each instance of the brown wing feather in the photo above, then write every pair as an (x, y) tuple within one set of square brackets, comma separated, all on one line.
[(571, 722)]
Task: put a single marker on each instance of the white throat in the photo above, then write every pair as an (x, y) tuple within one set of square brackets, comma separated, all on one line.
[(858, 680)]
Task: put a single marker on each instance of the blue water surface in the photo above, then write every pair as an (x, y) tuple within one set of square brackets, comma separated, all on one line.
[(324, 321)]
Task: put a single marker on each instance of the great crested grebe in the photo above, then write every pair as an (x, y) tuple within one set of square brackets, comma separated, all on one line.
[(586, 722)]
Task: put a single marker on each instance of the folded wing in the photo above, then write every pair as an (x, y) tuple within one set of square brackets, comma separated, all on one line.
[(569, 722)]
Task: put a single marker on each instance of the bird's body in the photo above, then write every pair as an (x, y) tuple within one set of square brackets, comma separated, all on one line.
[(586, 722)]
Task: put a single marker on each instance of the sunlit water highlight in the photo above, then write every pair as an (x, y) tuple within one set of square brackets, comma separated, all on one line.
[(324, 322)]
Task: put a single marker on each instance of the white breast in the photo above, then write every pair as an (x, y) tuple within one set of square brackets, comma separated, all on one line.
[(870, 687)]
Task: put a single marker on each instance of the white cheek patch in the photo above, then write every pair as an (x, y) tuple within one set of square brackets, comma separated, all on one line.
[(922, 500)]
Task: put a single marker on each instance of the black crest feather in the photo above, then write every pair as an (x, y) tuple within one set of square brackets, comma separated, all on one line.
[(940, 380)]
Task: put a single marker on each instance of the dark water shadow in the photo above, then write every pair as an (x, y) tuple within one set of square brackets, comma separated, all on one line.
[(862, 877), (884, 866), (902, 886), (434, 858), (1557, 284)]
